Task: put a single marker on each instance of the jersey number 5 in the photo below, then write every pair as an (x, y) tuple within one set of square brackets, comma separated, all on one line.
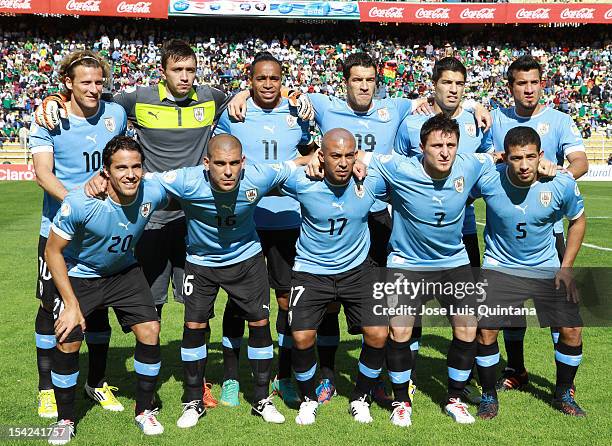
[(520, 227)]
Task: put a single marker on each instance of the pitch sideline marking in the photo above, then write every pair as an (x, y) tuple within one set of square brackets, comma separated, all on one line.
[(588, 245)]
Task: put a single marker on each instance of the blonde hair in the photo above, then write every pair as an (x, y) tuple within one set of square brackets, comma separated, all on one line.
[(85, 58)]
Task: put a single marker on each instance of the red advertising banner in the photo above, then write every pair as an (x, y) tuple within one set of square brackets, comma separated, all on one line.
[(485, 13), (157, 9), (17, 172), (24, 6)]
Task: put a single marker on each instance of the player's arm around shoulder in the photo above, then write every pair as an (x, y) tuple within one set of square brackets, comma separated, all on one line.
[(179, 183)]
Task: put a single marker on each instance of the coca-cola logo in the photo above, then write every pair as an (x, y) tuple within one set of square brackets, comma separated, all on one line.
[(387, 13), (582, 13), (608, 14), (85, 6), (438, 13), (540, 13), (138, 7), (482, 13), (15, 4)]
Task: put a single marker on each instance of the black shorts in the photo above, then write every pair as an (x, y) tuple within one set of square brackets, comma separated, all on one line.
[(380, 225), (453, 288), (279, 249), (246, 284), (161, 253), (506, 294), (311, 293), (127, 292), (45, 287)]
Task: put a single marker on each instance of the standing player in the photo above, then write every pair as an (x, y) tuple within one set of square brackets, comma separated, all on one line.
[(448, 76), (331, 265), (429, 192), (89, 254), (270, 133), (64, 158), (521, 262), (561, 140), (224, 251)]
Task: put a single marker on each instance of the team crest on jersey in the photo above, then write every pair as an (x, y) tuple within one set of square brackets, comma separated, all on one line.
[(251, 195), (198, 114), (291, 121), (545, 198), (169, 176), (359, 190), (385, 158), (383, 114), (543, 128), (109, 123), (576, 190), (470, 129), (145, 209), (459, 183), (574, 129), (65, 210)]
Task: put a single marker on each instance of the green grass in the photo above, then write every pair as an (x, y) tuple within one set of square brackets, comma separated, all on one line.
[(525, 417)]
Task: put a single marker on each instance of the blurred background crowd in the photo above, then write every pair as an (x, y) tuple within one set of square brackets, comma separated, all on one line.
[(576, 60)]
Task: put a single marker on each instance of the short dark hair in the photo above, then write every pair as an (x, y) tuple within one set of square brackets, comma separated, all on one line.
[(439, 122), (520, 137), (176, 49), (523, 63), (357, 60), (447, 64), (120, 143), (264, 56)]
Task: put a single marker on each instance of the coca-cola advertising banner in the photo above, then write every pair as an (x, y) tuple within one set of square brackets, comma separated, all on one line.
[(485, 13), (157, 9), (24, 6)]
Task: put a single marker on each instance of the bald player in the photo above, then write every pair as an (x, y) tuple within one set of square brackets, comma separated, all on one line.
[(223, 251), (331, 265)]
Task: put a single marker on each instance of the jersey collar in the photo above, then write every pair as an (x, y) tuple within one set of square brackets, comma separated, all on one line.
[(163, 94)]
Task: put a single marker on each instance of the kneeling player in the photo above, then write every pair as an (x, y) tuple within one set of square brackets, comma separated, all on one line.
[(520, 261), (223, 251), (332, 265), (89, 254), (428, 194)]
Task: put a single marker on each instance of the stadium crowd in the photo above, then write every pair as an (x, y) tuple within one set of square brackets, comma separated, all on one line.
[(576, 60)]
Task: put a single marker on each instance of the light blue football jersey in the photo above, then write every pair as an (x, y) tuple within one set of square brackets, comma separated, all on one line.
[(220, 226), (103, 233), (559, 134), (334, 236), (270, 136), (77, 146), (428, 214), (408, 140), (519, 230), (374, 130)]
